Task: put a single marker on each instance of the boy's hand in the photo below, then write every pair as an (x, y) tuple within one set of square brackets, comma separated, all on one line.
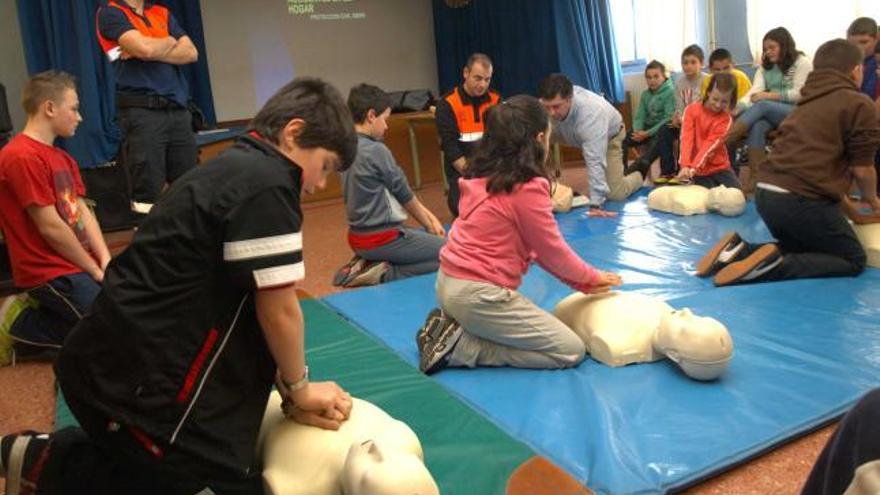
[(434, 226), (685, 174), (607, 280), (596, 212), (639, 135), (675, 121), (322, 404)]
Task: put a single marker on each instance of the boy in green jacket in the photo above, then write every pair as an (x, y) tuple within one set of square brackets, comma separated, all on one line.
[(656, 106)]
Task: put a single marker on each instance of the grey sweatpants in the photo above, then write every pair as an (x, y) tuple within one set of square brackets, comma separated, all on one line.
[(413, 253), (503, 328)]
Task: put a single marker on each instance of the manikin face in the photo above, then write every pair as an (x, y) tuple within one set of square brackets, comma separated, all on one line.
[(725, 65), (64, 113), (690, 65), (682, 334), (558, 107), (477, 78), (771, 50), (865, 42), (371, 469), (718, 101)]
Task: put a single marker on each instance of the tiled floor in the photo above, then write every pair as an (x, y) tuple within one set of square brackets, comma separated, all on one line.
[(27, 397)]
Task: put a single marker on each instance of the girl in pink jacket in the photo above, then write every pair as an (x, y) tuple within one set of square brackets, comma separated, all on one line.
[(505, 223), (704, 159)]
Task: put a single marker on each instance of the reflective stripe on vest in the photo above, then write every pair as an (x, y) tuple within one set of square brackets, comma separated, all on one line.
[(156, 15), (470, 125)]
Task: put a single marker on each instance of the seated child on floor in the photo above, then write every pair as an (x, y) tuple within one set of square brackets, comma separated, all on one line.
[(55, 244), (505, 223), (377, 199), (829, 139), (704, 159), (656, 106), (687, 91)]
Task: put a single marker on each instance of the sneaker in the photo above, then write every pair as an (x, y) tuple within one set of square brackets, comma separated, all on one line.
[(422, 335), (765, 259), (10, 310), (673, 181), (371, 274), (436, 342), (354, 265), (724, 252), (22, 459)]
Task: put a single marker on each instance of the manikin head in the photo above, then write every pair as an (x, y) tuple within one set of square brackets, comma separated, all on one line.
[(700, 345), (371, 469)]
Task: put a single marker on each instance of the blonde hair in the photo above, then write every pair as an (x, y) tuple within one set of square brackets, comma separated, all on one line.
[(49, 85)]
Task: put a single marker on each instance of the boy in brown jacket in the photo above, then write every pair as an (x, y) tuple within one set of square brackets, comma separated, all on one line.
[(828, 141)]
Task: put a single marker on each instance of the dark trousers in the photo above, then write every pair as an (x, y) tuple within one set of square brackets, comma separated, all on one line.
[(62, 302), (650, 149), (454, 194), (158, 147), (813, 236), (666, 137), (99, 459), (724, 178), (854, 444)]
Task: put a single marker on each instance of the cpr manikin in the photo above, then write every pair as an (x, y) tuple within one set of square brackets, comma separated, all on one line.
[(371, 454), (869, 236), (620, 328), (696, 200)]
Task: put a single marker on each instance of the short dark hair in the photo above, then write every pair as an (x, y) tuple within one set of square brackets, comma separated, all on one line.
[(725, 82), (718, 55), (328, 121), (862, 25), (693, 51), (839, 55), (554, 85), (480, 58), (508, 154), (48, 85), (365, 97), (656, 65)]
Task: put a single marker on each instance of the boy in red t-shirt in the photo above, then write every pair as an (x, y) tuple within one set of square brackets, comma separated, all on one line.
[(58, 253)]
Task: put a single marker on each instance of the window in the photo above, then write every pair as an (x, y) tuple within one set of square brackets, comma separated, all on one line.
[(656, 29), (810, 22)]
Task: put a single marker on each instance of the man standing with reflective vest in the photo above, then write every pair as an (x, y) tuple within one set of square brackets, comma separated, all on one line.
[(147, 48), (460, 120)]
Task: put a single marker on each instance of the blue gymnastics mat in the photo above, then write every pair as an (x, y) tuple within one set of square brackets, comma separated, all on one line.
[(805, 351)]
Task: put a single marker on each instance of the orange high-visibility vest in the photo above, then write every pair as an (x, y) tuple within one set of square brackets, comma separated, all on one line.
[(156, 15), (468, 117)]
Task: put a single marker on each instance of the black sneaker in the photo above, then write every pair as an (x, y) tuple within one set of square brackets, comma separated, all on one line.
[(436, 340), (730, 248), (752, 268), (22, 459), (345, 273)]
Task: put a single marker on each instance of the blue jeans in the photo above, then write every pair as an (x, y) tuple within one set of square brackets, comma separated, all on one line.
[(63, 301), (414, 252), (762, 117)]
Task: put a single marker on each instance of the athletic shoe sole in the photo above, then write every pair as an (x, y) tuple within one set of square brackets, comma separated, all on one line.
[(763, 260), (441, 338), (723, 252), (433, 318), (370, 275)]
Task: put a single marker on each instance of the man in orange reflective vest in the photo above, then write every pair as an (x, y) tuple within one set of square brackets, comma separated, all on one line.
[(460, 120), (147, 48)]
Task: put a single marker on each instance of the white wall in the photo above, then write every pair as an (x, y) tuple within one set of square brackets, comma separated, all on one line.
[(255, 46), (13, 71)]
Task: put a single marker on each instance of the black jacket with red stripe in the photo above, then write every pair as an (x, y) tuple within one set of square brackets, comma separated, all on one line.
[(172, 346)]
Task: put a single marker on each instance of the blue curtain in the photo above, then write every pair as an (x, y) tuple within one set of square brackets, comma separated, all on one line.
[(60, 34), (516, 34), (587, 53), (529, 39)]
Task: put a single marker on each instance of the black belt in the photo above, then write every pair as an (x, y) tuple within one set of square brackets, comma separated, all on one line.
[(146, 101)]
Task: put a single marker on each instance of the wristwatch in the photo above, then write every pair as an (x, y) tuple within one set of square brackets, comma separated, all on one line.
[(293, 387)]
